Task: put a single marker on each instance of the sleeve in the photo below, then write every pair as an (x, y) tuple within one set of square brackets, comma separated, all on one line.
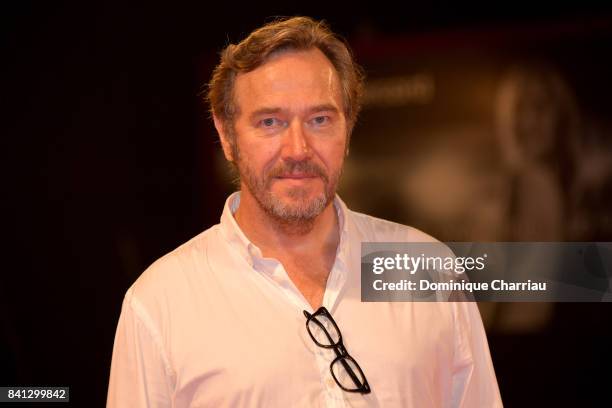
[(140, 373), (474, 383)]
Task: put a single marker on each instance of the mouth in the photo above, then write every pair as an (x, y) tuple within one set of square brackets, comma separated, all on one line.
[(297, 176)]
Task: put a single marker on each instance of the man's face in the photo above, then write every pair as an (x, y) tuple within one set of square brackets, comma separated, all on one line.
[(291, 134)]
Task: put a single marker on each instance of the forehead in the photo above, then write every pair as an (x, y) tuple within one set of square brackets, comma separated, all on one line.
[(290, 80)]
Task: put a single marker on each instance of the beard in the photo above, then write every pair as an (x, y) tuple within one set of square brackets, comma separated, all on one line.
[(297, 205)]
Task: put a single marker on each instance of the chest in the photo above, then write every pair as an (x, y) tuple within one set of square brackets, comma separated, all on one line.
[(244, 357), (309, 275), (241, 356)]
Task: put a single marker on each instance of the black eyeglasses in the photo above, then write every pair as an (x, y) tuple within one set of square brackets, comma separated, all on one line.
[(325, 333)]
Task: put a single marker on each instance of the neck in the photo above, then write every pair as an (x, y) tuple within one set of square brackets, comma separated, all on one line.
[(276, 236)]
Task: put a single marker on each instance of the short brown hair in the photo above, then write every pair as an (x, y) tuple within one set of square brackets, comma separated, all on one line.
[(296, 33)]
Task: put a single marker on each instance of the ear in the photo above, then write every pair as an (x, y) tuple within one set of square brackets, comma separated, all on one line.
[(225, 143)]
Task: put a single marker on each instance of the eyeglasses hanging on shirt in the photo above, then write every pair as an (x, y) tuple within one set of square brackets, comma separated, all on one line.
[(344, 369)]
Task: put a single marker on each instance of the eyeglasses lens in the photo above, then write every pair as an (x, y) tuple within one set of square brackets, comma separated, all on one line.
[(323, 330), (344, 377)]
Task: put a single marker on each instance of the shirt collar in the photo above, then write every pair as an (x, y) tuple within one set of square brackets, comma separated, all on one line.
[(249, 251)]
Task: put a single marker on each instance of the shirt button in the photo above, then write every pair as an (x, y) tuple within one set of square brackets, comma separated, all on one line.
[(330, 382)]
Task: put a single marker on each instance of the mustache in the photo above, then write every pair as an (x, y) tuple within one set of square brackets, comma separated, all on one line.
[(307, 167)]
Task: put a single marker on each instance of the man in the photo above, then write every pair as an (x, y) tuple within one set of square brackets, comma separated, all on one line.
[(264, 308)]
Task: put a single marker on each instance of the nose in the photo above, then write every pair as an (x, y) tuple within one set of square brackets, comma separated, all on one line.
[(296, 146)]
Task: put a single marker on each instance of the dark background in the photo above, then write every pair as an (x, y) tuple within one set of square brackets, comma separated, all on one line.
[(108, 164)]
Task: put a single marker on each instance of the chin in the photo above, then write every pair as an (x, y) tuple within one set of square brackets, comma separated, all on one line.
[(299, 207), (301, 198)]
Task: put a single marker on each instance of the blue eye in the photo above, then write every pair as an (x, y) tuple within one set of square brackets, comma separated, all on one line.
[(320, 120), (268, 122), (271, 123)]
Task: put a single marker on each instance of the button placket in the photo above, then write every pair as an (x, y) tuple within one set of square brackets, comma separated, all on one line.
[(332, 392)]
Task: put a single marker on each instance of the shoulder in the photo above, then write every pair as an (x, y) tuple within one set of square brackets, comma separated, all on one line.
[(377, 229), (170, 275)]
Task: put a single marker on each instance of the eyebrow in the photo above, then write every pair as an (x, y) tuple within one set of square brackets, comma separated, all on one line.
[(264, 111), (326, 107)]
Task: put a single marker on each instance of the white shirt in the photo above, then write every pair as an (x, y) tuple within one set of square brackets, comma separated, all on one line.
[(214, 324)]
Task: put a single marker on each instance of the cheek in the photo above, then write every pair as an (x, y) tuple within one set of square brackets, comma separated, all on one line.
[(258, 156), (334, 154)]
